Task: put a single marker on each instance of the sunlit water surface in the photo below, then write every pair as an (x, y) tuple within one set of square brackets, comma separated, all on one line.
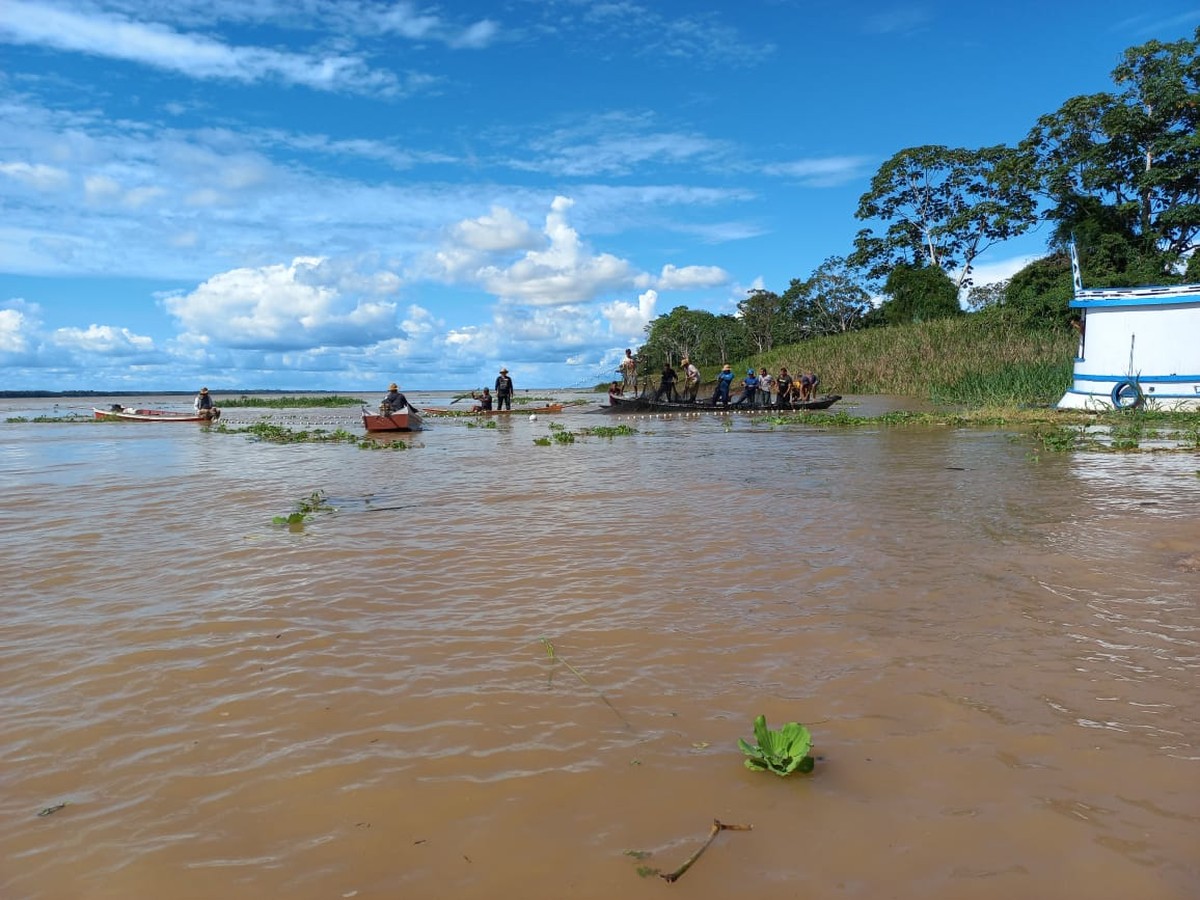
[(495, 669)]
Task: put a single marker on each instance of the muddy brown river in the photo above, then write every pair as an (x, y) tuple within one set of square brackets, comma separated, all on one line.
[(492, 669)]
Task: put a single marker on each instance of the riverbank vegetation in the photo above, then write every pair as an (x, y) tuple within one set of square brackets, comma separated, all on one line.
[(1115, 174)]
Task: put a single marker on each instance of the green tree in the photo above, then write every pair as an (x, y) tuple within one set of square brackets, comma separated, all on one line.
[(830, 301), (1121, 170), (944, 207), (918, 293), (765, 317)]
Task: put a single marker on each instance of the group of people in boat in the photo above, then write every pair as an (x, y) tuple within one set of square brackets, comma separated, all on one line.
[(758, 389)]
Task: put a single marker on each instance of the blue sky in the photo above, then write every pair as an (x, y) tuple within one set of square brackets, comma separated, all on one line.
[(335, 194)]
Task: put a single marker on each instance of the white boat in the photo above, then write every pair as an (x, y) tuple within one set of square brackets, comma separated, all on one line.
[(1136, 346)]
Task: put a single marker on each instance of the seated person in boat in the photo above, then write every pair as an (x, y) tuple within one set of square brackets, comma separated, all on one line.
[(691, 380), (724, 380), (749, 390), (394, 402), (204, 405), (783, 387), (615, 390), (485, 401), (666, 384), (808, 386)]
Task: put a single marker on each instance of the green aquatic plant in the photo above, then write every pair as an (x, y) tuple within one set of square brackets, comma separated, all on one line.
[(303, 510), (783, 752), (609, 431), (290, 402)]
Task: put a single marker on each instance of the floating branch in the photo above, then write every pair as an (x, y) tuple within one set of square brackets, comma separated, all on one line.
[(550, 652), (717, 827)]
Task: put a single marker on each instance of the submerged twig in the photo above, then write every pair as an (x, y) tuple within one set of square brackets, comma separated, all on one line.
[(550, 652), (717, 827)]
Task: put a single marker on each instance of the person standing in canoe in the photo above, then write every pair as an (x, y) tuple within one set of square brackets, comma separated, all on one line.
[(628, 371), (691, 380), (749, 390), (666, 384), (504, 391), (724, 380), (765, 382), (783, 384), (204, 405)]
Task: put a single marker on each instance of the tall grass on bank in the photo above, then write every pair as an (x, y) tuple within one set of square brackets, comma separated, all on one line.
[(972, 360)]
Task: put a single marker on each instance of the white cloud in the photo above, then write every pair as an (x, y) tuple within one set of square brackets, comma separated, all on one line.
[(197, 56), (13, 331), (103, 339), (38, 176), (691, 277), (829, 171), (561, 273), (627, 320), (280, 307)]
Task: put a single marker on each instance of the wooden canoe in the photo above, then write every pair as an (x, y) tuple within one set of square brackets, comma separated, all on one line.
[(549, 408), (646, 404), (128, 414), (408, 419)]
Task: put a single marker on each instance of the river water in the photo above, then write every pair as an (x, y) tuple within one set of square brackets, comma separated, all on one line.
[(495, 669)]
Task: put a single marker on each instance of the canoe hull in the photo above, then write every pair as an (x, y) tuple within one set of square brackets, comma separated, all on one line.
[(648, 405), (548, 409), (127, 414), (405, 420)]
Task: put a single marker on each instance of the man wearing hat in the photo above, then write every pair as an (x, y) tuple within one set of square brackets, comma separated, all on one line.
[(204, 405), (504, 390), (724, 380), (394, 401)]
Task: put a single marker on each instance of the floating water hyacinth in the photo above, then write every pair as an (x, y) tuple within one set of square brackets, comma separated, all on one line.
[(783, 752)]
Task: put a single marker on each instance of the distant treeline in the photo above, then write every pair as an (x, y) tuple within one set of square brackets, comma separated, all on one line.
[(232, 391)]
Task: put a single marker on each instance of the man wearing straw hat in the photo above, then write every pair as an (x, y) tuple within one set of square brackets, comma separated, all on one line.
[(204, 405), (504, 390)]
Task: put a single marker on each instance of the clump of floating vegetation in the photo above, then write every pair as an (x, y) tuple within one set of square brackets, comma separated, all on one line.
[(609, 431), (278, 434), (290, 402), (302, 511)]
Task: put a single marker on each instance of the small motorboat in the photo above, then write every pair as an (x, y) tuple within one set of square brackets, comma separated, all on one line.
[(407, 419), (120, 413)]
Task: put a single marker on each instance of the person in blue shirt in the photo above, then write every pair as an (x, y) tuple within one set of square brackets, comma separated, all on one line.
[(724, 380), (749, 390)]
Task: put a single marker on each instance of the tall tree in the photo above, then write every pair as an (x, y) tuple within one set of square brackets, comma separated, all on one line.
[(1126, 163), (945, 206), (765, 316), (917, 294), (830, 301)]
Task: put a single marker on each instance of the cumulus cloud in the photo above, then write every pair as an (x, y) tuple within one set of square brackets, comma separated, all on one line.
[(103, 339), (691, 277), (627, 320), (281, 307), (14, 337), (561, 273)]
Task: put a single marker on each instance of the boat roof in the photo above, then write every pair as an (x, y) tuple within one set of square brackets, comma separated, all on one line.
[(1155, 295)]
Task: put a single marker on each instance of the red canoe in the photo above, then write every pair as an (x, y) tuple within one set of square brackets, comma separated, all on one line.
[(408, 419)]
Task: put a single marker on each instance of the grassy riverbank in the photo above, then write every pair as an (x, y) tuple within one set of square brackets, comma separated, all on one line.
[(973, 360)]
